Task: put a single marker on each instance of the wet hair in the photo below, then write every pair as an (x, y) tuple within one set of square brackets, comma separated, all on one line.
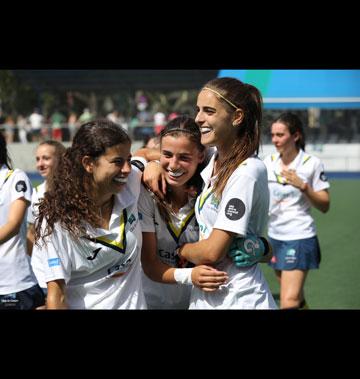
[(184, 125), (4, 155), (294, 124), (234, 94), (68, 199)]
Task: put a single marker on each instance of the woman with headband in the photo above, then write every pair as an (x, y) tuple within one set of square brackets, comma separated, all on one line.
[(234, 201)]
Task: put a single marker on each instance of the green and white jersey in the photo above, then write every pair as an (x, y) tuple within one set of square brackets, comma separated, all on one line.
[(289, 211), (242, 209), (15, 270), (91, 265), (169, 236)]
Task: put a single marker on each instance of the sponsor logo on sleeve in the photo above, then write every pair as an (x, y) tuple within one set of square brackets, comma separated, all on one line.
[(54, 262), (20, 186), (235, 209)]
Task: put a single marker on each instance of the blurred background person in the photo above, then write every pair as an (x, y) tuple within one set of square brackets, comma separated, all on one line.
[(297, 182), (47, 155), (36, 120)]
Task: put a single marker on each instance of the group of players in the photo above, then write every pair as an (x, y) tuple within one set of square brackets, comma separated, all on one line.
[(176, 227)]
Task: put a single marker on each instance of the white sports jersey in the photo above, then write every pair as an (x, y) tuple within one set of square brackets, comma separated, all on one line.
[(169, 236), (289, 211), (242, 210), (38, 260), (88, 264), (15, 270)]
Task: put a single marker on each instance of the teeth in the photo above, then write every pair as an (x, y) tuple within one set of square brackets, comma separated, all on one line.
[(176, 174), (205, 130), (120, 180)]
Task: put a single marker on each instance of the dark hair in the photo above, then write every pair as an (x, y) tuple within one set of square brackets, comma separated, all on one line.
[(184, 125), (4, 155), (68, 197), (247, 98), (294, 124)]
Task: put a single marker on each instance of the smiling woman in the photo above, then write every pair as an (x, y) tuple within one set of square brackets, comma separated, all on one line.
[(88, 230)]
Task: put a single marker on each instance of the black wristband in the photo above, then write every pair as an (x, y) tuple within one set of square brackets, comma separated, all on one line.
[(138, 164)]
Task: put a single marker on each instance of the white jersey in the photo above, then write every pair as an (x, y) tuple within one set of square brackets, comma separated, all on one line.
[(88, 264), (169, 236), (242, 210), (289, 212), (15, 270), (38, 260)]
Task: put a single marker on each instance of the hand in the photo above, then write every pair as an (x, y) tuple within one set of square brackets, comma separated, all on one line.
[(208, 278), (292, 178), (247, 251), (154, 178)]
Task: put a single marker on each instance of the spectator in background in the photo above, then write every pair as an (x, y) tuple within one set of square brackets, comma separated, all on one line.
[(36, 123), (159, 122), (297, 182), (57, 120), (72, 124), (18, 285), (86, 116), (24, 129), (47, 155)]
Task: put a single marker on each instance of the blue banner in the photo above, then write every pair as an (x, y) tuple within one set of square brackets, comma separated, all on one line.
[(301, 89)]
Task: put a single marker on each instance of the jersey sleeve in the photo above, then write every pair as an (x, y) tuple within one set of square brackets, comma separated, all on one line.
[(57, 263), (319, 179), (236, 205), (146, 207), (20, 186)]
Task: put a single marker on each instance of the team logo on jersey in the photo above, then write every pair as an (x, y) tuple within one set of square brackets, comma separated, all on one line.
[(323, 177), (95, 252), (235, 209), (20, 186)]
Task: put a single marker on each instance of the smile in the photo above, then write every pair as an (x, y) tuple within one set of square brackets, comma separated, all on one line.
[(121, 180), (176, 174), (205, 130)]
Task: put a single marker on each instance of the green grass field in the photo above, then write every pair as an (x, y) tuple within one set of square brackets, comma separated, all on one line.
[(336, 285)]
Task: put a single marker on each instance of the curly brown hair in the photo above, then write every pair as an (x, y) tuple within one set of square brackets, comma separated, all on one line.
[(68, 197)]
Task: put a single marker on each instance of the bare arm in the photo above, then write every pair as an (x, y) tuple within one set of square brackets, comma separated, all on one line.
[(56, 295), (148, 154), (318, 199), (205, 277), (15, 218), (210, 250), (30, 238)]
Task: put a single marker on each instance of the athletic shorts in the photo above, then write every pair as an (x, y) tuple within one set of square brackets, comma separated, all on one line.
[(30, 298), (301, 254)]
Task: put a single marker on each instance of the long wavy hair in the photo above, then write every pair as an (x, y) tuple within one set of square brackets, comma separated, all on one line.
[(247, 98), (183, 125), (68, 197)]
